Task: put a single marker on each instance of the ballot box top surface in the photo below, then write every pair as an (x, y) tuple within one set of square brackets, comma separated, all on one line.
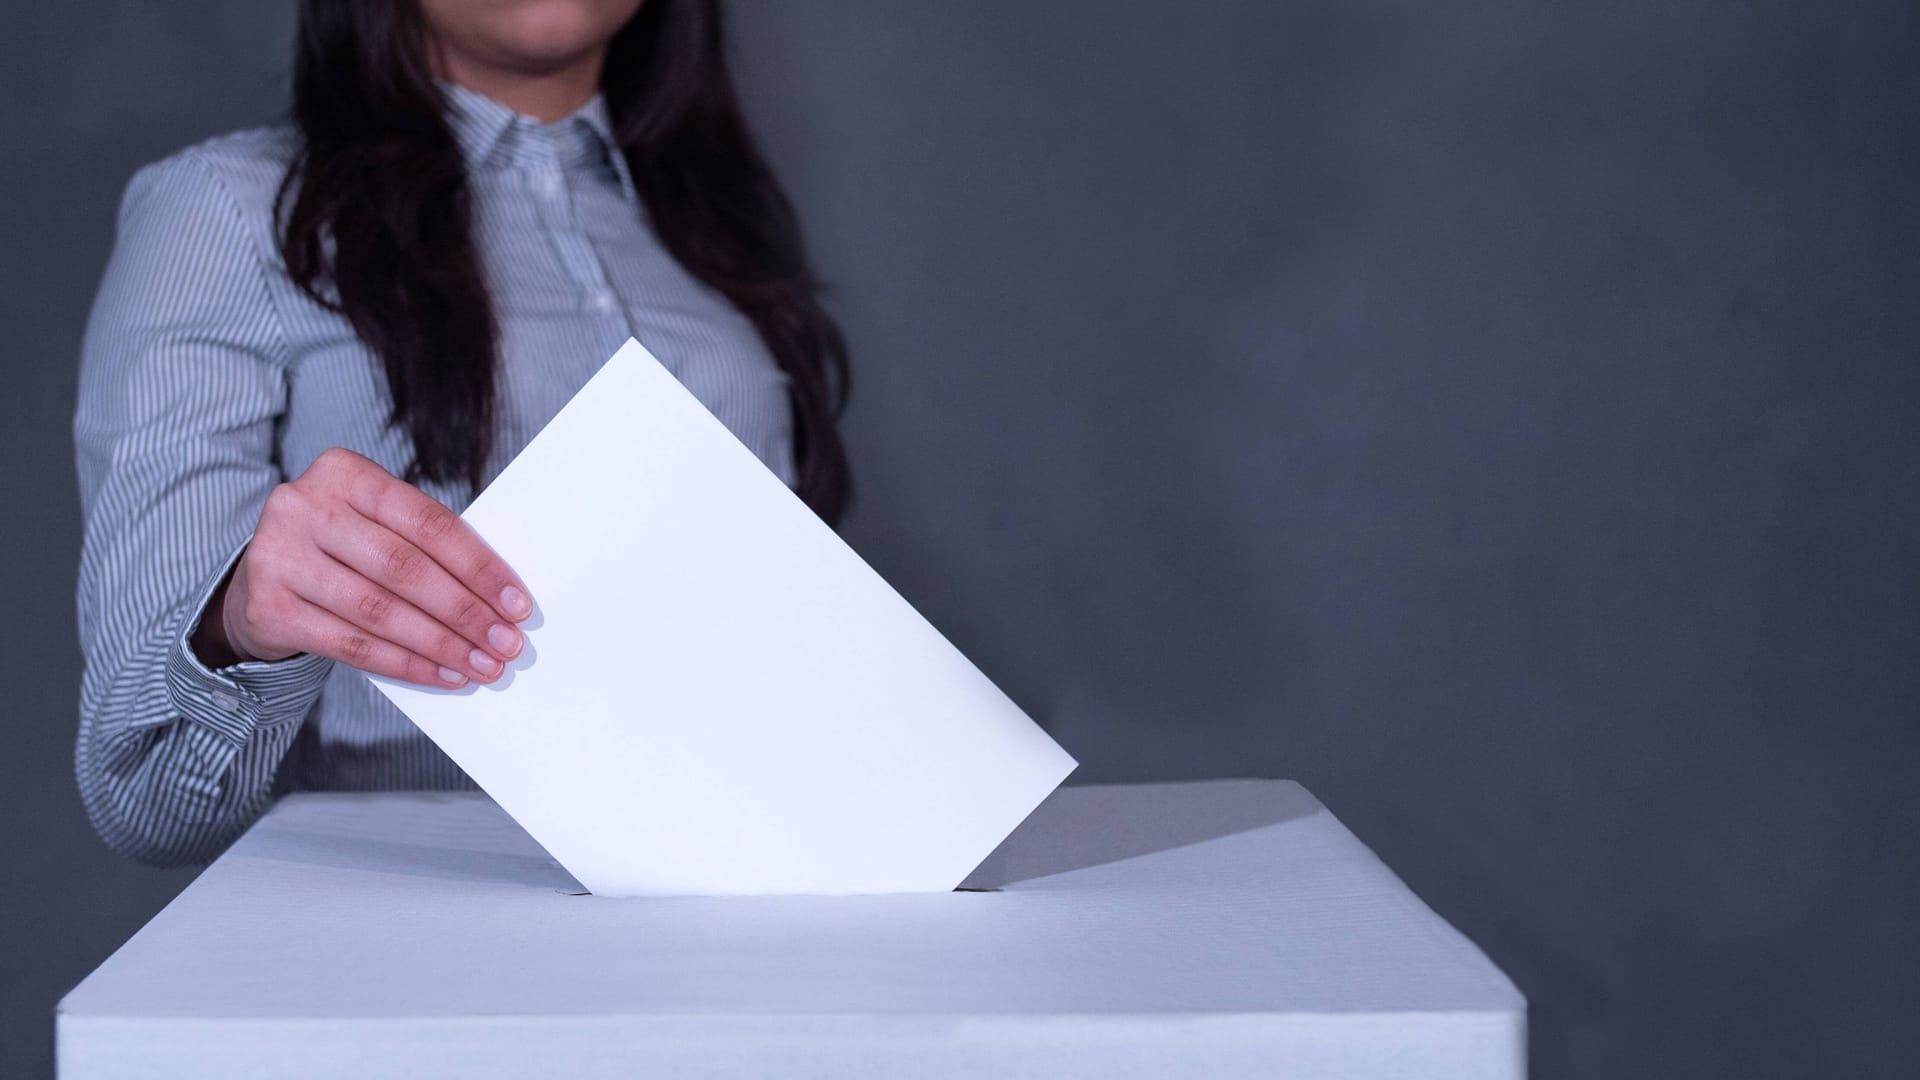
[(1239, 896)]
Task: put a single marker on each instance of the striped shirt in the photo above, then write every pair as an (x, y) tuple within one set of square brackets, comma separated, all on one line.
[(207, 377)]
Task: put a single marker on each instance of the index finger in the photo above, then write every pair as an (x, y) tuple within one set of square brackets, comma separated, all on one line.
[(445, 538)]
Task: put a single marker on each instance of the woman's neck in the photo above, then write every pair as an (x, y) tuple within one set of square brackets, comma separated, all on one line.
[(548, 94)]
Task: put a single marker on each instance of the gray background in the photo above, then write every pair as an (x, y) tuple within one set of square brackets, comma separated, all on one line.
[(1498, 416)]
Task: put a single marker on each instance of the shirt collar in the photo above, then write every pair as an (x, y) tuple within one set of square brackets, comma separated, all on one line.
[(491, 135)]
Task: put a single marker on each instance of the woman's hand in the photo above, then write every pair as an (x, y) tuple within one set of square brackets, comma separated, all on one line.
[(354, 564)]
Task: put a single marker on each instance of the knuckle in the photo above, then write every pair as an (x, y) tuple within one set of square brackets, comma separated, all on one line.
[(433, 522), (325, 470), (489, 573), (283, 502), (356, 649), (375, 608), (468, 609), (401, 563), (336, 459), (361, 481)]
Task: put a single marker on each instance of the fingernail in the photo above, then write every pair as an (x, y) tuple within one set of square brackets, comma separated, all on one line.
[(484, 664), (515, 602), (503, 638), (452, 677)]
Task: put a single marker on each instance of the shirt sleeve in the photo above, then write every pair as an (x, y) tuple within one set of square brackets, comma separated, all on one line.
[(182, 380)]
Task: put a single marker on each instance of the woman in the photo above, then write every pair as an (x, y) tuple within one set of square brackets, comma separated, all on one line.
[(311, 342)]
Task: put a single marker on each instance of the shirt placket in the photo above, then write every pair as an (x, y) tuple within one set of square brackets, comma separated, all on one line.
[(546, 177)]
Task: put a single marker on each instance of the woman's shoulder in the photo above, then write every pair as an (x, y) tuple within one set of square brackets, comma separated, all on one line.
[(242, 170)]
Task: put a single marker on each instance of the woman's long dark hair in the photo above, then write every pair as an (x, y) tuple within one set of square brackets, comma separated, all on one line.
[(375, 221)]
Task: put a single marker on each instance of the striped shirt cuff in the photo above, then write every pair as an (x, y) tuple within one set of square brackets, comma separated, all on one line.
[(234, 700)]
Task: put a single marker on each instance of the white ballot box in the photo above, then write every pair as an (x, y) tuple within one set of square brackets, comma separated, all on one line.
[(1218, 929)]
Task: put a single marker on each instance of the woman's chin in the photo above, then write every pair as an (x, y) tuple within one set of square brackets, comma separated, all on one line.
[(531, 35)]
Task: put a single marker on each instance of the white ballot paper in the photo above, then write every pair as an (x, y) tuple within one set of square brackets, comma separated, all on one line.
[(717, 695)]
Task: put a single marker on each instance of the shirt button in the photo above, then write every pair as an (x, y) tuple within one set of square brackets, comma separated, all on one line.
[(225, 702), (602, 301), (547, 182)]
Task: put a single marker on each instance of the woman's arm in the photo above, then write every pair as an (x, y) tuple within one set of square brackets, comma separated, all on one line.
[(213, 590), (182, 377)]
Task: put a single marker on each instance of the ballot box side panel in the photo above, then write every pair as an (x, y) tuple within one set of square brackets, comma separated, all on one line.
[(1353, 1046)]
